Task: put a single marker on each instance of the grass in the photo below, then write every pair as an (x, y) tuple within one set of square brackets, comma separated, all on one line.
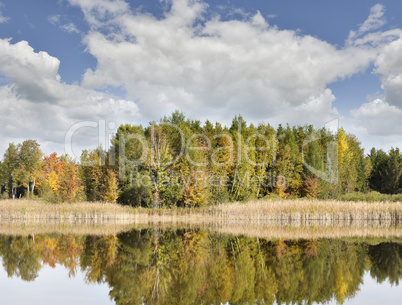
[(264, 218)]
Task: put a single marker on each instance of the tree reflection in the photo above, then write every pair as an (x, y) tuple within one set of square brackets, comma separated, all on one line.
[(195, 267), (386, 260)]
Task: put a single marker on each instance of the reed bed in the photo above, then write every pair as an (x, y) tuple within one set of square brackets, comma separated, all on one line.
[(34, 211), (310, 209), (38, 206), (264, 218)]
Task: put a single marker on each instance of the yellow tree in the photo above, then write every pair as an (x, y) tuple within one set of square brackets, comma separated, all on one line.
[(111, 186), (350, 157), (100, 181)]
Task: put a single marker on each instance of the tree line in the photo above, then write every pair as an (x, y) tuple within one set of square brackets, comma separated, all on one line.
[(184, 163)]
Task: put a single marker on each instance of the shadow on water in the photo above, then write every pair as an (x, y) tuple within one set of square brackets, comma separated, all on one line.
[(194, 266)]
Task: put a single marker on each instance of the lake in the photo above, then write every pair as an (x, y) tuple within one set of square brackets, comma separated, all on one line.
[(195, 266)]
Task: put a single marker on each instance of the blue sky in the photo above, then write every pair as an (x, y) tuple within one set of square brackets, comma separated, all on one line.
[(68, 62)]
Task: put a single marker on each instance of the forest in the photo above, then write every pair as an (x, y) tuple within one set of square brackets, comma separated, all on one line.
[(179, 162)]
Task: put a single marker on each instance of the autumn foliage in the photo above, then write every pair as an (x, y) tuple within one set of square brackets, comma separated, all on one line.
[(180, 162), (61, 179), (312, 187)]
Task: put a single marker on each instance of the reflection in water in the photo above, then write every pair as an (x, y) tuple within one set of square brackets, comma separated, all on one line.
[(196, 267)]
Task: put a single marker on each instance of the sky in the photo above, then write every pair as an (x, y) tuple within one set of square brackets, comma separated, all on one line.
[(72, 71)]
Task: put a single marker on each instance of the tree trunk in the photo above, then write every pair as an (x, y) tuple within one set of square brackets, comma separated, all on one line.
[(33, 187), (13, 191)]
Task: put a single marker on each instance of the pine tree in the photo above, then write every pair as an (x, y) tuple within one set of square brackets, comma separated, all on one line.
[(392, 172), (10, 165)]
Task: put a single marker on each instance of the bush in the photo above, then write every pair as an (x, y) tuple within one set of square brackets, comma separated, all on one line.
[(372, 196), (4, 196), (173, 196), (396, 197), (135, 196), (273, 197)]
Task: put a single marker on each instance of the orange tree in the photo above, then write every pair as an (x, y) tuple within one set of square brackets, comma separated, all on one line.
[(61, 181)]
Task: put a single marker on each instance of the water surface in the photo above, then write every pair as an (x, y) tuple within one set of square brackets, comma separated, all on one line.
[(197, 267)]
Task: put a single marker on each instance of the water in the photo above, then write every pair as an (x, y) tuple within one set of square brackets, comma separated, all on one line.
[(197, 267), (52, 286)]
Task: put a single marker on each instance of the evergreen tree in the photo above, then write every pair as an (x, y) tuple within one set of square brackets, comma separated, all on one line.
[(10, 169), (392, 172)]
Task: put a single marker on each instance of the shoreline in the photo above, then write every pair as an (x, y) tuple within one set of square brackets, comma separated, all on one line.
[(261, 212), (263, 218)]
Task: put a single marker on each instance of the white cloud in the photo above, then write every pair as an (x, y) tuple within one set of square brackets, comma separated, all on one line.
[(68, 27), (54, 19), (34, 75), (389, 66), (378, 124), (36, 104), (202, 66), (379, 118), (98, 12), (375, 21), (71, 28), (2, 18), (198, 63)]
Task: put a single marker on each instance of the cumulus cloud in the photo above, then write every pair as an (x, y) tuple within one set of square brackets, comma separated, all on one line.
[(378, 124), (37, 104), (203, 65), (389, 67), (380, 120)]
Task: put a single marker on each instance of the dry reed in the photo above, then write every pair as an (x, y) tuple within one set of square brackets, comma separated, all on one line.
[(263, 218)]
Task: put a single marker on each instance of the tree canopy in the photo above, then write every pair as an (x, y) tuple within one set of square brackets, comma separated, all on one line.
[(181, 162)]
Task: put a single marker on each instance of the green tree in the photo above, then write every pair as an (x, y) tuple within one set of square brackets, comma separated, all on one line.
[(100, 181), (30, 164), (10, 168), (289, 163), (392, 172), (379, 160), (386, 171)]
